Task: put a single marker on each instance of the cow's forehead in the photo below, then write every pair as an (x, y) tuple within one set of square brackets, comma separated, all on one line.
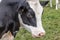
[(32, 5)]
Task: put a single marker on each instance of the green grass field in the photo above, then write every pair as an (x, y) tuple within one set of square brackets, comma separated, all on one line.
[(51, 24)]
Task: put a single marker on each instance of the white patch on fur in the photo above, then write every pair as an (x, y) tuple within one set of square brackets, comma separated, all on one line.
[(37, 8)]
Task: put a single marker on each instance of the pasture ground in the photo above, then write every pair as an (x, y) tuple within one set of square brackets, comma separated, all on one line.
[(51, 24)]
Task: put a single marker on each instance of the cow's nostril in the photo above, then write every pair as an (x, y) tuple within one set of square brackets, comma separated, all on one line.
[(41, 34)]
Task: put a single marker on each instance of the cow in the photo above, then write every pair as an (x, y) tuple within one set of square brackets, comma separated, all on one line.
[(26, 13)]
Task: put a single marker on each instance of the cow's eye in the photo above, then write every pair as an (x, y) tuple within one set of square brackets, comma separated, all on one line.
[(29, 15), (22, 10)]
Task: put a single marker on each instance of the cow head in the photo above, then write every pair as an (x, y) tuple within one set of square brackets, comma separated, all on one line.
[(30, 14)]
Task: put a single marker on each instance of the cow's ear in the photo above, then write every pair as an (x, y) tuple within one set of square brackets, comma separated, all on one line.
[(21, 9), (44, 3)]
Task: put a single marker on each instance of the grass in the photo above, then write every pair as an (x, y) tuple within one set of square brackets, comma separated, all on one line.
[(51, 24)]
